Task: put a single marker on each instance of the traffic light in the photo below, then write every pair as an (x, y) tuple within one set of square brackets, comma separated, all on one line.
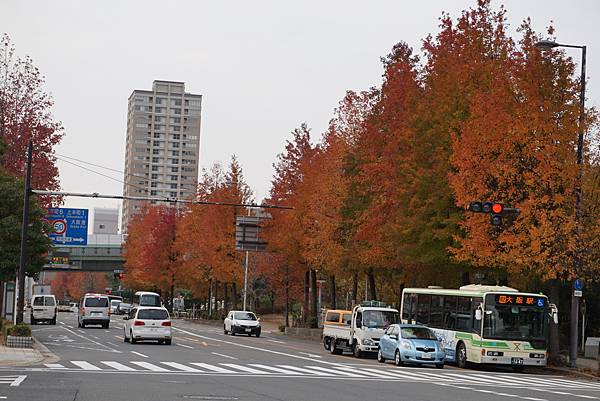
[(495, 209)]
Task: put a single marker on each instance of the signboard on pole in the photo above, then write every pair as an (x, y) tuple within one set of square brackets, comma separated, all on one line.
[(247, 230), (69, 226)]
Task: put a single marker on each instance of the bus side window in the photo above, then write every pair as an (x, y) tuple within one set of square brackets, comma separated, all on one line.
[(406, 307), (435, 317), (423, 302), (450, 303), (413, 308), (463, 317)]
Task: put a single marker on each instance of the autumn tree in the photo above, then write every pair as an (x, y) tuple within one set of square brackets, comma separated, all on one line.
[(25, 114)]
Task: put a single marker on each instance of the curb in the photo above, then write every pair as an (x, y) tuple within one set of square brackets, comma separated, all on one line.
[(572, 371), (47, 355)]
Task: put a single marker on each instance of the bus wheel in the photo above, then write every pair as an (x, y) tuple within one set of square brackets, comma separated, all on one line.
[(461, 356)]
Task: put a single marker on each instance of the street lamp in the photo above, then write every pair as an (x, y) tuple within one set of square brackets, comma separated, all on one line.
[(548, 45)]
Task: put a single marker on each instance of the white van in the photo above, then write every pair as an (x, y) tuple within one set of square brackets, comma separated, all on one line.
[(43, 308), (94, 309), (146, 298)]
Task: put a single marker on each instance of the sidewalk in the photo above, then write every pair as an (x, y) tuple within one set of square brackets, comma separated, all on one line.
[(26, 356)]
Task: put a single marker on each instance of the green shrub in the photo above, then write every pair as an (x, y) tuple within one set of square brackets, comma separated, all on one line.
[(20, 330)]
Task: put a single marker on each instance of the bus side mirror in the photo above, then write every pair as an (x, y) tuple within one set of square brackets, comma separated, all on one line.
[(478, 314), (554, 313)]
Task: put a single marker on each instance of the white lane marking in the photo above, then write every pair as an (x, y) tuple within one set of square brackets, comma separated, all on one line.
[(118, 366), (563, 393), (81, 331), (140, 354), (212, 367), (97, 338), (224, 356), (552, 382), (276, 341), (92, 341), (244, 368), (181, 367), (310, 355), (63, 323), (150, 366), (18, 381), (277, 370), (85, 365), (184, 346), (54, 366), (107, 331), (302, 370)]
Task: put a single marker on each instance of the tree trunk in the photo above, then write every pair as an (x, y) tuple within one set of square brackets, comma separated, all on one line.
[(332, 291), (313, 304), (225, 300), (465, 278), (234, 296), (305, 306), (554, 345), (216, 291), (354, 288), (372, 289), (172, 291)]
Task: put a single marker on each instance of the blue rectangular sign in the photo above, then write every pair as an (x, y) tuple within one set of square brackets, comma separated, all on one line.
[(69, 226)]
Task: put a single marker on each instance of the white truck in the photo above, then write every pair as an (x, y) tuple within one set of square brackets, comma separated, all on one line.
[(362, 332)]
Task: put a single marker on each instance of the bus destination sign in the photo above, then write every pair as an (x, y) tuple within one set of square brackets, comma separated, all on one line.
[(516, 299)]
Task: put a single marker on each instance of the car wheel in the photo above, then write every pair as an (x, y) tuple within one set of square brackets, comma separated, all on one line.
[(131, 339), (224, 330), (461, 356), (398, 358), (440, 366), (161, 342), (106, 325), (168, 342), (53, 321), (356, 351), (257, 335), (33, 322), (82, 325), (125, 339), (380, 357)]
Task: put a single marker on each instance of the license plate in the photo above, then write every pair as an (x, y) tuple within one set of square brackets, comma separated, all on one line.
[(516, 361), (425, 356), (96, 313), (248, 330), (153, 328)]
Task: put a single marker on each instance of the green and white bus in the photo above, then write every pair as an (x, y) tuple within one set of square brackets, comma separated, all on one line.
[(484, 324)]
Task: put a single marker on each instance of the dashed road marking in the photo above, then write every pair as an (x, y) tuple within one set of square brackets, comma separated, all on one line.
[(224, 356), (184, 346), (140, 354)]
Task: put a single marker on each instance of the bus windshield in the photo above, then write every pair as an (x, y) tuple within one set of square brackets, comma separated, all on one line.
[(514, 322)]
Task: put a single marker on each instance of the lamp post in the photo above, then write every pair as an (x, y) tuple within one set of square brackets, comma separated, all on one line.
[(548, 45)]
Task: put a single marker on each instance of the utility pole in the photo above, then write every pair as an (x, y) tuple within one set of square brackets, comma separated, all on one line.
[(24, 236)]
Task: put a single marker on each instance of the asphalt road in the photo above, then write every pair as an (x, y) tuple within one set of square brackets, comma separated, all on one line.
[(204, 364)]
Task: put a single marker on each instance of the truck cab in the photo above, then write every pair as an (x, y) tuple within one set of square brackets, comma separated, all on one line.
[(369, 322)]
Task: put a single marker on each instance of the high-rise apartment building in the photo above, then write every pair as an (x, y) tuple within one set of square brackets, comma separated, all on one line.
[(163, 145)]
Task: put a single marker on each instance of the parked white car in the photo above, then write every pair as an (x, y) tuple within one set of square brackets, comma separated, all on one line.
[(148, 323), (43, 308), (241, 322)]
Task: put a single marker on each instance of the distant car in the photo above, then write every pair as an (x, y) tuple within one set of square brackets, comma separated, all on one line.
[(123, 308), (114, 304), (74, 306), (64, 308), (409, 343), (43, 308), (241, 322), (94, 309), (147, 323)]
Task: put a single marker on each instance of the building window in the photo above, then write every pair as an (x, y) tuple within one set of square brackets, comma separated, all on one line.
[(175, 145), (154, 151), (153, 185), (155, 160), (176, 136), (173, 194), (153, 193), (173, 186), (154, 176), (174, 161), (174, 169), (175, 111), (173, 178), (176, 128), (175, 153)]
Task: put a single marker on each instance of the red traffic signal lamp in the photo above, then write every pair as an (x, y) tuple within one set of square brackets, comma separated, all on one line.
[(495, 209)]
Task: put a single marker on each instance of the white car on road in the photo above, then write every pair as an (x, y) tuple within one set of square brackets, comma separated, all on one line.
[(148, 323), (43, 308), (241, 322)]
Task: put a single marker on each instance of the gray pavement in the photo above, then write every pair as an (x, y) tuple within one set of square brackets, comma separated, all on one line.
[(204, 364)]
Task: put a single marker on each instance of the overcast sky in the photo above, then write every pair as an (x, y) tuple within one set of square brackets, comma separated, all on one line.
[(263, 67)]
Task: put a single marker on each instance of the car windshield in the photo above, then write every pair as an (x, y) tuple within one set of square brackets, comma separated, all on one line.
[(149, 300), (96, 302), (511, 322), (244, 316), (152, 314), (421, 333), (379, 319)]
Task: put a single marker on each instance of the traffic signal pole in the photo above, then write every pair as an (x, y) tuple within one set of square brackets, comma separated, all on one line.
[(24, 236)]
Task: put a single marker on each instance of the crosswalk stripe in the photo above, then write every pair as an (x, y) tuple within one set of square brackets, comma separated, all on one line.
[(277, 370), (212, 368), (471, 378), (118, 366), (302, 370), (397, 374), (18, 381), (342, 370), (54, 366), (182, 367), (538, 381), (150, 366), (85, 365), (244, 368)]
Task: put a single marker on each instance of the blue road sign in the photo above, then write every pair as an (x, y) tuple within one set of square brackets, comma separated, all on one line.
[(69, 226), (578, 285)]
